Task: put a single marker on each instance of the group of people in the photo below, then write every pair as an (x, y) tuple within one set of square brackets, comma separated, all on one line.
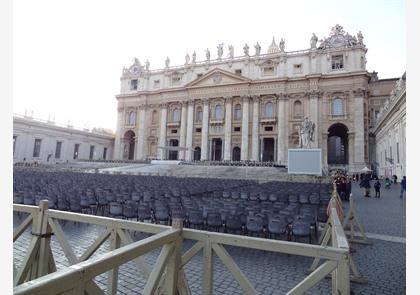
[(343, 184)]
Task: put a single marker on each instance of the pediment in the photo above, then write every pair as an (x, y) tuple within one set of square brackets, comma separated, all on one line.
[(217, 77)]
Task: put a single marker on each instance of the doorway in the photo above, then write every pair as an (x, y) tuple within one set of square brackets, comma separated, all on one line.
[(268, 150), (216, 149)]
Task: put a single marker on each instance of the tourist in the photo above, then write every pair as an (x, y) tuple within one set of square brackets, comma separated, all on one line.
[(387, 183), (403, 184), (377, 187), (348, 188), (365, 183)]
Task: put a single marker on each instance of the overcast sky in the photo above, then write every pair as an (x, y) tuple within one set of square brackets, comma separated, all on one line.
[(68, 55)]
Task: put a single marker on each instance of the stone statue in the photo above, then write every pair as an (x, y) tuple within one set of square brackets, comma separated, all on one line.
[(314, 40), (281, 45), (147, 65), (136, 61), (194, 56), (257, 49), (207, 54), (219, 51), (187, 59), (231, 51), (360, 38), (246, 50), (306, 133), (167, 61)]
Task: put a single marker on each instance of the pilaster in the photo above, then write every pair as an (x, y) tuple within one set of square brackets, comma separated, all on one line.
[(162, 134), (245, 131), (205, 130), (228, 129), (183, 129), (255, 127), (190, 123)]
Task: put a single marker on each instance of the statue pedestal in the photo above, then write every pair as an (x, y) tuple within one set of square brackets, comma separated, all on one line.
[(305, 161)]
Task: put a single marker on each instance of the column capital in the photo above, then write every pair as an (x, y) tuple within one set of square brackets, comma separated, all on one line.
[(120, 109), (282, 96), (245, 98), (191, 101), (360, 92), (164, 105), (313, 94), (143, 107), (184, 103), (228, 99), (256, 98), (205, 101)]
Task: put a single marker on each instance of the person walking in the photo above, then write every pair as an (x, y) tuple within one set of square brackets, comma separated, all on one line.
[(377, 187), (403, 186), (365, 183)]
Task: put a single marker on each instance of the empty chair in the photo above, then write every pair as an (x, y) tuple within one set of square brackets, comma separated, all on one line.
[(214, 221), (195, 219), (303, 198), (144, 214), (293, 199), (161, 215), (130, 210), (277, 226), (115, 209), (301, 228), (234, 224), (272, 197), (254, 225)]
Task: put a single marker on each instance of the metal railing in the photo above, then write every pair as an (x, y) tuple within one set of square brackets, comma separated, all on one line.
[(38, 275)]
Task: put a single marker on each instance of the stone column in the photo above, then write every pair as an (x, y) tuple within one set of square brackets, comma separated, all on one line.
[(282, 129), (245, 132), (313, 116), (325, 149), (255, 127), (205, 130), (350, 145), (183, 129), (190, 125), (162, 134), (359, 128), (118, 135), (228, 129), (141, 133)]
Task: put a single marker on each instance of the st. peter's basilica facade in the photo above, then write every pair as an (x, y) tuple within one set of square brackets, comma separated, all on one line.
[(250, 107)]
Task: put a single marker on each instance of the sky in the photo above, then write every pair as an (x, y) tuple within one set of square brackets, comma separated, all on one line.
[(68, 55)]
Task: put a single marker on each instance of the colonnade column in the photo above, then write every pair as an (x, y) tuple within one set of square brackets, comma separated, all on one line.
[(359, 128), (118, 135), (245, 132), (141, 133), (183, 129), (205, 130), (162, 134), (255, 127), (313, 116), (228, 129), (282, 129), (190, 122)]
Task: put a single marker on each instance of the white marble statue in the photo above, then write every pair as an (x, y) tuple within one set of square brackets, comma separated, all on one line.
[(147, 65), (257, 49), (219, 51), (360, 38), (306, 133), (187, 59), (246, 50), (281, 45), (231, 51), (167, 61), (194, 56), (207, 54), (314, 40)]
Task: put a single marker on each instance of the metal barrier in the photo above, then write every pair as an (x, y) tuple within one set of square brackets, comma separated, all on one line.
[(38, 275)]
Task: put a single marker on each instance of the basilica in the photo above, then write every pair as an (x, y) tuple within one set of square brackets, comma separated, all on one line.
[(247, 105)]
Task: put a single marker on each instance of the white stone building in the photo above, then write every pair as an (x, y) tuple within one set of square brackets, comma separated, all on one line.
[(390, 133), (49, 143)]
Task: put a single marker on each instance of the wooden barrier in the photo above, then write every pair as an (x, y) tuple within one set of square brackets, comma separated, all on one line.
[(167, 275)]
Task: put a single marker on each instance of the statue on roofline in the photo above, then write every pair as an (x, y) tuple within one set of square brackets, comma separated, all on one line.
[(314, 40), (246, 50), (257, 49)]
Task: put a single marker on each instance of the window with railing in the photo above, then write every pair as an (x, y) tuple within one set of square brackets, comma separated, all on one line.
[(176, 115), (37, 148), (268, 110), (133, 85), (337, 62), (58, 149), (237, 116), (218, 112), (199, 115), (338, 107)]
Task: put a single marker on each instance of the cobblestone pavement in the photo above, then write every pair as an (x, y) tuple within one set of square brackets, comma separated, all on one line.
[(382, 263)]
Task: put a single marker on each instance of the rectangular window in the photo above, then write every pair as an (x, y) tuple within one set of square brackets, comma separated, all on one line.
[(337, 62), (176, 81), (104, 153), (133, 85), (37, 148), (297, 69), (198, 130), (58, 149), (14, 143), (92, 152), (156, 84), (76, 151), (398, 152), (267, 71), (268, 128), (174, 131), (238, 72), (237, 129)]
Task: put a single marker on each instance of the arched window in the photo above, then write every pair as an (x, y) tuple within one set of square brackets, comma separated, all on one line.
[(269, 109), (338, 107), (237, 112), (218, 112), (176, 115), (199, 115), (131, 120), (297, 109), (154, 117)]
